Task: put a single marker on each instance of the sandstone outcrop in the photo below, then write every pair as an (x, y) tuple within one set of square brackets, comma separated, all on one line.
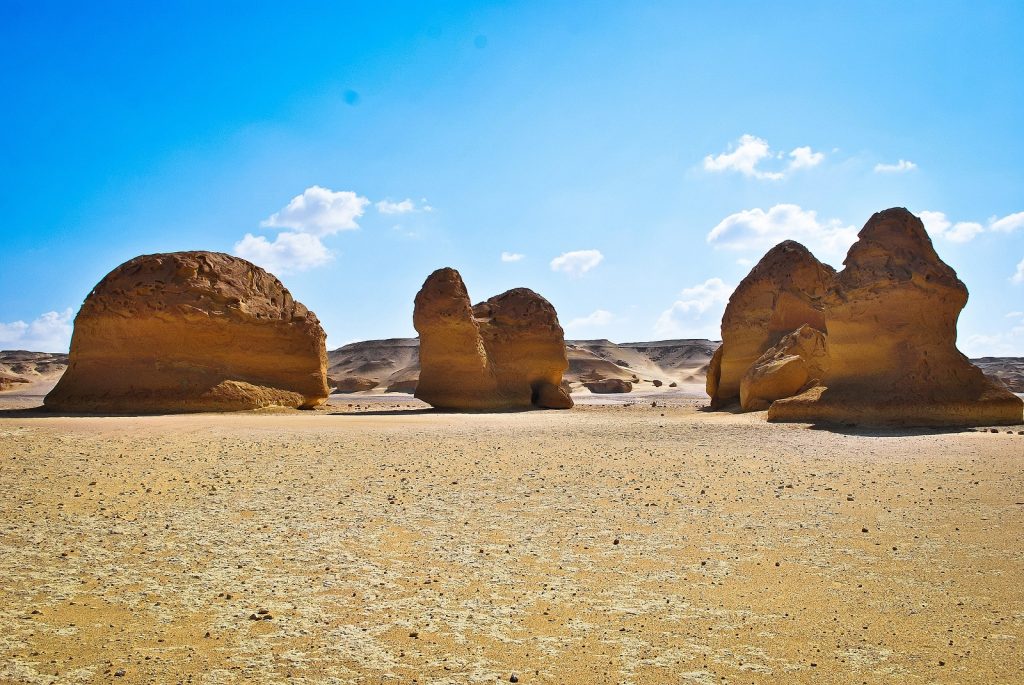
[(351, 384), (890, 319), (786, 369), (781, 293), (191, 331), (608, 386), (505, 353)]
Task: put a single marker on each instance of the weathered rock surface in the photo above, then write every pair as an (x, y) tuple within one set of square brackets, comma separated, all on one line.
[(8, 381), (348, 384), (192, 331), (608, 386), (781, 293), (505, 353), (785, 369), (891, 318)]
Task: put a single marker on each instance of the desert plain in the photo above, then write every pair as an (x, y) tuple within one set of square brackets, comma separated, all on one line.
[(375, 540)]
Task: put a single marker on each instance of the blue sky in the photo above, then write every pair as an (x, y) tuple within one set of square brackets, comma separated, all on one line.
[(630, 160)]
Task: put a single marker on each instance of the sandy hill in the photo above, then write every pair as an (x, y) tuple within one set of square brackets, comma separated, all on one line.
[(20, 367), (1010, 370), (393, 364)]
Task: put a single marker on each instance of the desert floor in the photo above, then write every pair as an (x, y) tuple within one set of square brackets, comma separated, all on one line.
[(612, 543)]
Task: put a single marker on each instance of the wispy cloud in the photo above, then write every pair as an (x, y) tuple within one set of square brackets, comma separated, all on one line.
[(697, 312), (596, 319), (757, 230), (1018, 277), (512, 256), (746, 155), (1006, 343), (404, 207), (1008, 224), (578, 262), (50, 332), (900, 167)]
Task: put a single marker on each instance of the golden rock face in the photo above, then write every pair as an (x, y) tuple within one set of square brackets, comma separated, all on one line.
[(890, 319), (784, 291), (192, 331), (784, 370), (505, 353)]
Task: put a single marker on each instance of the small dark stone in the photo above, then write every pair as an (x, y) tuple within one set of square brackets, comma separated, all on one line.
[(513, 678), (863, 530), (253, 617), (615, 541), (119, 673)]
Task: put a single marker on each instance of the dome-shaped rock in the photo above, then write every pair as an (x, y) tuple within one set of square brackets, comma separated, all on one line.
[(191, 331)]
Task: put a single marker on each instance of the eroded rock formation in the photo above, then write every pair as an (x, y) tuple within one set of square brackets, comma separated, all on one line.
[(781, 293), (799, 359), (191, 331), (505, 353), (608, 385), (890, 318)]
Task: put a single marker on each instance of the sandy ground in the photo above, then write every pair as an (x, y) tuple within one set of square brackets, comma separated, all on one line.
[(611, 543)]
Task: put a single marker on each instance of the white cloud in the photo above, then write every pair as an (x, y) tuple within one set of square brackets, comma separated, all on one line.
[(511, 256), (743, 157), (578, 262), (900, 167), (403, 207), (757, 229), (1007, 224), (320, 211), (938, 225), (50, 332), (1018, 277), (288, 252), (697, 312), (963, 231), (1015, 315), (805, 158), (746, 154), (600, 317), (935, 223)]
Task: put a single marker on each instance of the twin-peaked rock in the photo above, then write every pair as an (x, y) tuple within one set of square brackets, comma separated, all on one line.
[(505, 353), (191, 331), (890, 318), (875, 343)]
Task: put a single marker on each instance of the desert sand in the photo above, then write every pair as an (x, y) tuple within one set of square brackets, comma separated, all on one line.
[(374, 541)]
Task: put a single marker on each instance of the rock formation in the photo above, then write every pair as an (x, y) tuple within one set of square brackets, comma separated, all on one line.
[(191, 331), (608, 386), (784, 370), (890, 318), (350, 384), (505, 353), (781, 293)]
